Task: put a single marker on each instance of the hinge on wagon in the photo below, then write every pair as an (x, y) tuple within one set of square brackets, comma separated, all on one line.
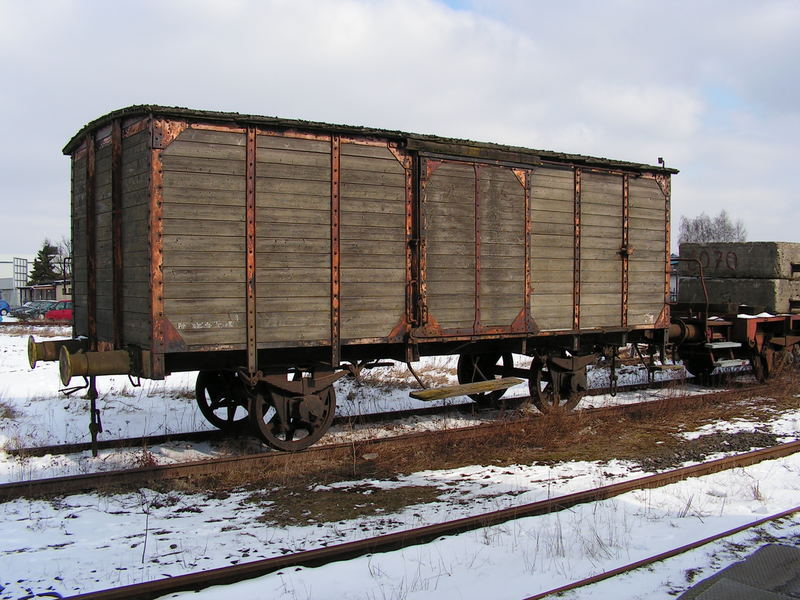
[(250, 379), (625, 250)]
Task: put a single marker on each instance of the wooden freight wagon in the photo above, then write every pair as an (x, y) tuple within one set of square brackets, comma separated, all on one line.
[(273, 255)]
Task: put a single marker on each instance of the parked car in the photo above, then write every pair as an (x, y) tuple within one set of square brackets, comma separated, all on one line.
[(5, 308), (34, 309), (62, 311)]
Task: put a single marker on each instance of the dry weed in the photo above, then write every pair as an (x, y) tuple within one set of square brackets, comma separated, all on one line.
[(144, 459), (8, 412)]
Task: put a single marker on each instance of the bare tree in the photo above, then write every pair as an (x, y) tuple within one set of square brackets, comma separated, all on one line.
[(63, 261), (711, 229)]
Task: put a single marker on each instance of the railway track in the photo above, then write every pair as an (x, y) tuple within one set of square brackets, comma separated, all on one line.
[(257, 464), (663, 555), (422, 535), (218, 436)]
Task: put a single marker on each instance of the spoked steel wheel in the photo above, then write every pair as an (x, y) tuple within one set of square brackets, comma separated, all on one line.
[(291, 423), (547, 396), (222, 398), (699, 364), (483, 367)]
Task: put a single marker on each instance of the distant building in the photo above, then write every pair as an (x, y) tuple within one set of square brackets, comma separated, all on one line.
[(14, 272), (55, 290)]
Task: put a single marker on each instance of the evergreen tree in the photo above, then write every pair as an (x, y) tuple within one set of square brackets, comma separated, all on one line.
[(43, 270)]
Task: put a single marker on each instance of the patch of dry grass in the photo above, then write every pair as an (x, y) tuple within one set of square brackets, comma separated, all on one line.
[(292, 486), (303, 506), (8, 412), (398, 377)]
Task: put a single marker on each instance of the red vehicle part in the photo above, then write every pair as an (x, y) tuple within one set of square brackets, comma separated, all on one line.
[(62, 311)]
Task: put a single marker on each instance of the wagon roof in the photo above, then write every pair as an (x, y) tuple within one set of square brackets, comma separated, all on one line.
[(425, 142)]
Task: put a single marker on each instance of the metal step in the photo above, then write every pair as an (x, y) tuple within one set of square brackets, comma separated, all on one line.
[(466, 389), (722, 345), (731, 362)]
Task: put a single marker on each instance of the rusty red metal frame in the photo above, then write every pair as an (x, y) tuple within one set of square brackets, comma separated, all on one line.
[(116, 233), (336, 159), (426, 171), (625, 250), (399, 332), (91, 248), (162, 133), (664, 183), (250, 258), (528, 176), (576, 282)]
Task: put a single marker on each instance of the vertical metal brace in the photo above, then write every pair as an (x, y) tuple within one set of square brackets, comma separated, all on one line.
[(477, 324), (663, 182), (576, 285), (412, 242), (250, 260), (91, 247), (424, 172), (528, 290), (156, 233), (116, 232), (336, 151), (625, 251)]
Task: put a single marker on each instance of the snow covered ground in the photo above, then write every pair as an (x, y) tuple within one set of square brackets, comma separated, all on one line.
[(92, 541)]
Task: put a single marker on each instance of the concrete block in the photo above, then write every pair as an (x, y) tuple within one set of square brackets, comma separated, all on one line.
[(743, 260), (772, 295)]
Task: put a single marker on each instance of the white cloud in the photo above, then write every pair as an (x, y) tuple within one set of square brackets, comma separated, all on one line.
[(710, 86)]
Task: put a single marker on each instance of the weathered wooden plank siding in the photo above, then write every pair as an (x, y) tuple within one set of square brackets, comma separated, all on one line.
[(137, 323), (293, 240), (601, 239), (448, 213), (552, 214), (502, 231), (103, 250), (372, 241), (79, 271), (203, 208), (648, 261)]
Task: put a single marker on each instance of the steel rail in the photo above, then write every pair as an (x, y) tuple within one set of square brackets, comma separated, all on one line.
[(664, 555), (215, 435), (422, 535), (211, 435), (56, 486)]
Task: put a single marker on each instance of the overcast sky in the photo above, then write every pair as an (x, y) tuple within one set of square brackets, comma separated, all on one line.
[(712, 87)]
